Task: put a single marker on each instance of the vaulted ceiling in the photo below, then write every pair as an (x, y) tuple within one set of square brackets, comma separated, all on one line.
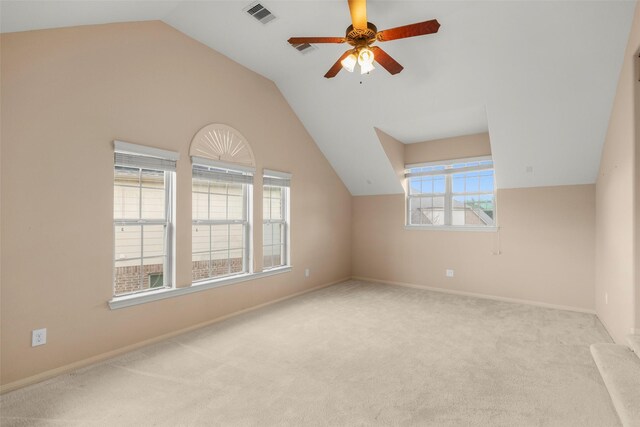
[(540, 76)]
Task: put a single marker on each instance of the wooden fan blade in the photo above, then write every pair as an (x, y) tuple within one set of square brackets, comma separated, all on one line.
[(358, 9), (383, 58), (411, 30), (333, 71), (302, 40)]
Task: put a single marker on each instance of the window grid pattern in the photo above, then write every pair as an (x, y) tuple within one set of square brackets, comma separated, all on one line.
[(274, 238), (142, 224), (440, 195), (220, 229)]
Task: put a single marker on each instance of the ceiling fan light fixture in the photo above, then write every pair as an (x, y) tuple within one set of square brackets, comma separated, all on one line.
[(349, 63), (366, 67), (365, 59), (365, 56)]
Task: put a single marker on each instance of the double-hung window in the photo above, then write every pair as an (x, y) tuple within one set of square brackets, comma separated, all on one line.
[(143, 218), (275, 210), (221, 232), (458, 193)]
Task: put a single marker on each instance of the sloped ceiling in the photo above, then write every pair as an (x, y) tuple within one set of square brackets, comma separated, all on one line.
[(540, 76)]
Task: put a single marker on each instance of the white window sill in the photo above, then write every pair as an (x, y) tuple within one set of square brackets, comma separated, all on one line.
[(145, 297), (451, 228)]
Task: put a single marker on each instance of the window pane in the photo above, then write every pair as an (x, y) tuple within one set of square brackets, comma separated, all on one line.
[(414, 186), (200, 185), (415, 216), (267, 252), (200, 206), (427, 185), (218, 206), (236, 207), (439, 184), (153, 240), (472, 184), (235, 189), (267, 234), (200, 239), (218, 188), (276, 205), (277, 233), (219, 237), (458, 183), (235, 261), (236, 236), (458, 211), (266, 202), (127, 277), (427, 211), (126, 193), (219, 263), (486, 182), (152, 267), (200, 267), (128, 243), (278, 255), (153, 205), (473, 210)]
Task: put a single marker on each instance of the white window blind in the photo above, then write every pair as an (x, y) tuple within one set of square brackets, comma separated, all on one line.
[(144, 162), (276, 179), (221, 175)]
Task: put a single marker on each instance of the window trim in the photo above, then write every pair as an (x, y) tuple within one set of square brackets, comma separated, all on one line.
[(448, 194), (169, 270)]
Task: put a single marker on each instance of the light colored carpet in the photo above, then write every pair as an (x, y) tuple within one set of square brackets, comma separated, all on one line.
[(352, 354), (620, 369)]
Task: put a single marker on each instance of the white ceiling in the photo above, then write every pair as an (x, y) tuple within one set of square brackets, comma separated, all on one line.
[(540, 76)]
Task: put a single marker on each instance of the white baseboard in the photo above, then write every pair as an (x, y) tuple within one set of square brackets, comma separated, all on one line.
[(473, 294), (42, 376)]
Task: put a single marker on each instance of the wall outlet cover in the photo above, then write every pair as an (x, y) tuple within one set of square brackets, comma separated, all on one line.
[(38, 337)]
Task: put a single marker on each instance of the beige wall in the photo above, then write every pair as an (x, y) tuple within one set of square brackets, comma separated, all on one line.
[(546, 245), (66, 95), (459, 147), (615, 195), (394, 150)]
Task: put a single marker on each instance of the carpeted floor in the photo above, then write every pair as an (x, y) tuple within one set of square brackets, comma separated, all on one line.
[(352, 354)]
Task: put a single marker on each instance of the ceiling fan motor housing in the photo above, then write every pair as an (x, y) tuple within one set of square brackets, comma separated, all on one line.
[(360, 38)]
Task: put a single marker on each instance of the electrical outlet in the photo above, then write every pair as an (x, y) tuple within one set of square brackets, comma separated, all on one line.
[(38, 337), (449, 273), (606, 298), (306, 272)]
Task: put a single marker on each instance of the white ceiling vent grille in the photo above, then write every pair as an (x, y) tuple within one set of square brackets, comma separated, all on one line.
[(304, 47), (260, 12)]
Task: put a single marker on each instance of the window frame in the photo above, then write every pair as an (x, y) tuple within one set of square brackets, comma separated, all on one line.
[(448, 194), (246, 222), (152, 154), (284, 179)]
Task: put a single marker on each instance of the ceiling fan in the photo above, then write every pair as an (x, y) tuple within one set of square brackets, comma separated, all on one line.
[(361, 35)]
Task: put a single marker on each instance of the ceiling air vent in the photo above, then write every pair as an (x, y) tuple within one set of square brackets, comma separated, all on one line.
[(260, 12), (304, 47)]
